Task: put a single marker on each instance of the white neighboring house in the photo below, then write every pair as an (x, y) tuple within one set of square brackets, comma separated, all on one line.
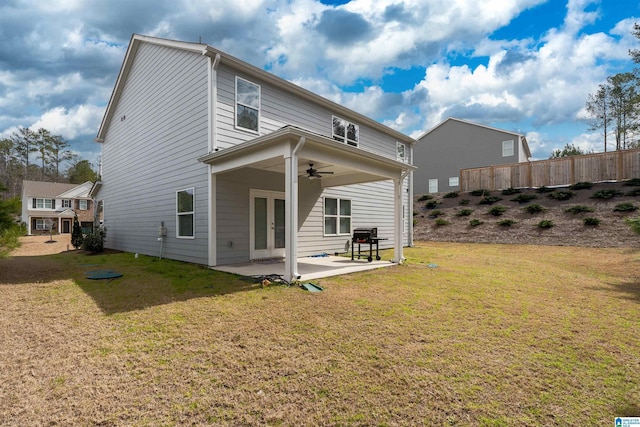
[(50, 206), (205, 158)]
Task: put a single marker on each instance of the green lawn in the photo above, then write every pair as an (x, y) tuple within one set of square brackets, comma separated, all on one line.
[(495, 335)]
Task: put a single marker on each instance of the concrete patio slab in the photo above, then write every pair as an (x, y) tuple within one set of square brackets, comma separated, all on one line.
[(309, 268)]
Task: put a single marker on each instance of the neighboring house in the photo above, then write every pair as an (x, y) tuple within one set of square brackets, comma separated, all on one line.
[(456, 144), (206, 158), (50, 206)]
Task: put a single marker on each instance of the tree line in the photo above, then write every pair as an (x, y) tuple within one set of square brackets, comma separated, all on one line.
[(39, 155), (614, 107)]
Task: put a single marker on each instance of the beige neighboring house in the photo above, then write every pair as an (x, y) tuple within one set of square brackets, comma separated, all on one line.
[(51, 206)]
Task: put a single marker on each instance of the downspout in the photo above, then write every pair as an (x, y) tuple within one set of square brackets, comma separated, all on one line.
[(212, 74)]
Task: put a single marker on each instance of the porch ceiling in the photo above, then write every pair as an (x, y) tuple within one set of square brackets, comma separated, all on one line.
[(349, 165)]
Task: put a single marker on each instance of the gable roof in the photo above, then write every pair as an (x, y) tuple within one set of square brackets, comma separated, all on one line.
[(251, 70), (45, 189), (522, 138)]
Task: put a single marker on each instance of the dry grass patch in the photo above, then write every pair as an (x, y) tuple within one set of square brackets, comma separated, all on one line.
[(495, 335)]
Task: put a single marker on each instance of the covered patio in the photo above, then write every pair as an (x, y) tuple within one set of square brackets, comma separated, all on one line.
[(309, 268), (289, 151)]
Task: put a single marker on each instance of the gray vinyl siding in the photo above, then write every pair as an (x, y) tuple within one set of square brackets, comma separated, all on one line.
[(232, 214), (158, 130), (372, 205), (280, 108), (456, 145)]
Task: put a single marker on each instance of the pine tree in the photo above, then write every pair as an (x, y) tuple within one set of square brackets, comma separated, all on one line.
[(76, 233)]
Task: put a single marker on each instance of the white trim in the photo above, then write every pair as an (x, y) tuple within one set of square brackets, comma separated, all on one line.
[(235, 107), (454, 181), (193, 213)]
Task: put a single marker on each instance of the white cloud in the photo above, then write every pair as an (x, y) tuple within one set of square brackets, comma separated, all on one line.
[(80, 120)]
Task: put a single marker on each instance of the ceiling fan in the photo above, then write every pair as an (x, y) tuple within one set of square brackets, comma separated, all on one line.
[(315, 173)]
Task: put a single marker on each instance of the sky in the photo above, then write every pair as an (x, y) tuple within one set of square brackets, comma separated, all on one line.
[(520, 65)]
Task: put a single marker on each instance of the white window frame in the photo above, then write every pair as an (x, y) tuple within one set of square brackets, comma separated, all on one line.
[(246, 105), (66, 203), (433, 185), (508, 148), (345, 138), (41, 224), (41, 203), (192, 212), (82, 203), (338, 216), (401, 152), (454, 181)]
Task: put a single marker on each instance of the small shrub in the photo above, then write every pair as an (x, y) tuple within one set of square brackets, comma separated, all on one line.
[(497, 210), (634, 223), (545, 223), (506, 223), (510, 191), (633, 182), (425, 197), (451, 195), (579, 209), (625, 207), (544, 189), (464, 202), (634, 193), (583, 185), (591, 222), (489, 200), (94, 242), (432, 204), (464, 212), (606, 194), (480, 192), (534, 209), (435, 213), (524, 198), (561, 195), (441, 221), (475, 222)]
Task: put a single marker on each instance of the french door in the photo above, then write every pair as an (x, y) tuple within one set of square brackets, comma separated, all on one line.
[(267, 237)]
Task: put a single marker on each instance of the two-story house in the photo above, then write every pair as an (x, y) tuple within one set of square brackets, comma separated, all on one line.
[(50, 206), (456, 144), (208, 159)]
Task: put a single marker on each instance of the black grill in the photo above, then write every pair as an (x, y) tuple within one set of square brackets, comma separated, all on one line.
[(365, 236)]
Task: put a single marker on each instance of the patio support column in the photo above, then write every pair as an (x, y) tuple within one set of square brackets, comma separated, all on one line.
[(291, 212), (397, 220)]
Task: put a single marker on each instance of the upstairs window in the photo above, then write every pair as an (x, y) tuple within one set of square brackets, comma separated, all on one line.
[(44, 204), (66, 203), (247, 105), (345, 131), (507, 148), (401, 152), (82, 205)]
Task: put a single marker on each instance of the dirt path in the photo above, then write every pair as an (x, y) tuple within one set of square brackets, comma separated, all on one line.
[(37, 245)]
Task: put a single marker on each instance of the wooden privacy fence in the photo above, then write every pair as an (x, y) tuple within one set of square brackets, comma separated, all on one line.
[(612, 166)]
